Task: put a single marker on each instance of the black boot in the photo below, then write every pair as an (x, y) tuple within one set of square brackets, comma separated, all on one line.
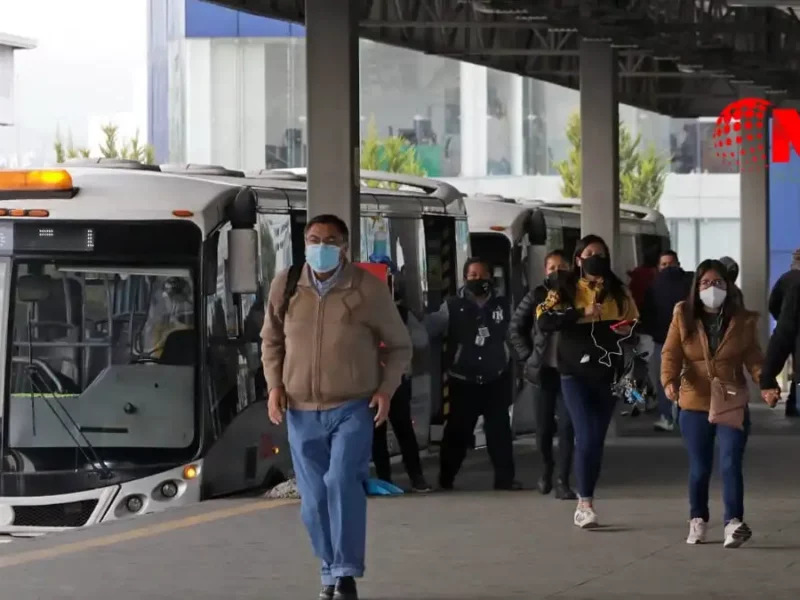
[(564, 492), (326, 593), (419, 484), (345, 589), (545, 484), (510, 486)]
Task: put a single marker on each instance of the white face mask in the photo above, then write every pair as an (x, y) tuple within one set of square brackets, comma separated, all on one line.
[(713, 297)]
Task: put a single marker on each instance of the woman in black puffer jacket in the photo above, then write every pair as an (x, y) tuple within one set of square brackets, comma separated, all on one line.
[(538, 351)]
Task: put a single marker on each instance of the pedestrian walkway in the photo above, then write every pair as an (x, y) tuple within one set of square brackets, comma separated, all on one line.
[(471, 544)]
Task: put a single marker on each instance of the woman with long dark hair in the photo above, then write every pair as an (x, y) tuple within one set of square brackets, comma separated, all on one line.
[(583, 307), (711, 340)]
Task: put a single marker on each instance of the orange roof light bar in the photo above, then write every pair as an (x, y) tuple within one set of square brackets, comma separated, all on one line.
[(35, 181)]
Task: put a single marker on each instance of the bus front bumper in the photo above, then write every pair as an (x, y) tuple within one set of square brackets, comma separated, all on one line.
[(32, 515)]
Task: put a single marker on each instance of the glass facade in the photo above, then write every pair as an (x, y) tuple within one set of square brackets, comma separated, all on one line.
[(250, 95), (230, 88)]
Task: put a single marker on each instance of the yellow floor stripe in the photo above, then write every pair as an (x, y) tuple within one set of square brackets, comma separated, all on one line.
[(139, 533)]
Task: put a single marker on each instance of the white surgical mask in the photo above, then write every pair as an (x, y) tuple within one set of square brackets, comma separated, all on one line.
[(713, 297)]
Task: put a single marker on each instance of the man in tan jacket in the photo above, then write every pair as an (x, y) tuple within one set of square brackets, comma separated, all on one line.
[(326, 371)]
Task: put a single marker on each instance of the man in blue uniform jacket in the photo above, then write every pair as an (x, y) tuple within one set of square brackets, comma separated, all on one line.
[(475, 323)]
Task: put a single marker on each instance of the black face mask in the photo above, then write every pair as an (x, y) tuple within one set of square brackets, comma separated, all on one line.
[(552, 280), (596, 265), (479, 287)]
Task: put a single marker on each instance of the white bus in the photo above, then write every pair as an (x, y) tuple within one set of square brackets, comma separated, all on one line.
[(131, 378), (419, 223)]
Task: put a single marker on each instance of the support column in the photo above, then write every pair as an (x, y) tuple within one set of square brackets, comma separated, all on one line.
[(600, 143), (754, 225), (474, 96), (199, 111), (334, 145), (516, 119)]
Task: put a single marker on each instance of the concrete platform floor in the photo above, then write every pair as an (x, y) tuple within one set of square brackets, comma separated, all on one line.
[(467, 545)]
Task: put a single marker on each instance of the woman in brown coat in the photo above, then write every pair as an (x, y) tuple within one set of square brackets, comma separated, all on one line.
[(711, 333)]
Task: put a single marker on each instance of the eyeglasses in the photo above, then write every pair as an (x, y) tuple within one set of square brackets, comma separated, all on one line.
[(717, 283), (312, 240)]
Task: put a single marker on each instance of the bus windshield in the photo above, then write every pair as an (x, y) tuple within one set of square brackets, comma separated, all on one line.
[(103, 363)]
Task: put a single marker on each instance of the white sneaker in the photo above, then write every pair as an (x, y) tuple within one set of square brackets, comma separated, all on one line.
[(585, 517), (662, 424), (736, 534), (697, 531)]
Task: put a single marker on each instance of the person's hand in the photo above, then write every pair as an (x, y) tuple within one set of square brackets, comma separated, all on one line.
[(276, 405), (380, 401), (592, 311), (671, 392), (771, 397)]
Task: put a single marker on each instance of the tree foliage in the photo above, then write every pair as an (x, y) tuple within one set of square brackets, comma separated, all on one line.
[(642, 173), (113, 146), (392, 154)]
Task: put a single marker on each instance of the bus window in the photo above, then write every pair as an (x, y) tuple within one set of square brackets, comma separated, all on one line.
[(232, 382), (375, 238), (571, 236), (555, 239), (462, 249), (404, 242), (627, 259), (651, 246), (275, 246)]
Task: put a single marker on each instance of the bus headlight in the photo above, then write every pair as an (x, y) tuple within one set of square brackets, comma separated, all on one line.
[(169, 489)]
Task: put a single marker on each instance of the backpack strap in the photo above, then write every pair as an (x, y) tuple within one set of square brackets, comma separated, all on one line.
[(292, 278)]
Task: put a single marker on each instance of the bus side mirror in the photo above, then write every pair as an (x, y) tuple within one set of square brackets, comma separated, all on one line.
[(243, 261)]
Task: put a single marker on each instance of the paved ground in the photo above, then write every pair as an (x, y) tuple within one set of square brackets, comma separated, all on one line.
[(468, 545)]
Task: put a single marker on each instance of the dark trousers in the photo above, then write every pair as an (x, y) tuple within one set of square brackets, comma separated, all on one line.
[(699, 435), (791, 401), (400, 419), (548, 401), (591, 406), (468, 401)]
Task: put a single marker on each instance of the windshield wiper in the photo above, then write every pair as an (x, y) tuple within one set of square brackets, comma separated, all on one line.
[(98, 466)]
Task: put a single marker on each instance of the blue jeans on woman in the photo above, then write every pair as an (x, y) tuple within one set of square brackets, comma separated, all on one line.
[(591, 407), (699, 436)]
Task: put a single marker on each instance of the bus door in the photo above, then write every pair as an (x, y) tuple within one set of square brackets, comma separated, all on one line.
[(442, 281)]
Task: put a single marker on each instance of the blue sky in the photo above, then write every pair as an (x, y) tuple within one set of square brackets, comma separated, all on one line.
[(91, 60)]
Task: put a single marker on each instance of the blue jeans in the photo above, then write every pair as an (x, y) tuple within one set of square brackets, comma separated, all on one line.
[(699, 436), (591, 406), (331, 451), (664, 403)]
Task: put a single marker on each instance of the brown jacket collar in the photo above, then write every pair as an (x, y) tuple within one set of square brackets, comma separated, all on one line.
[(344, 280)]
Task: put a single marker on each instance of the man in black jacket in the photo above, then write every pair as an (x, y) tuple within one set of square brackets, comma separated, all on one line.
[(400, 407), (786, 281), (785, 341), (671, 285), (475, 324), (537, 350)]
